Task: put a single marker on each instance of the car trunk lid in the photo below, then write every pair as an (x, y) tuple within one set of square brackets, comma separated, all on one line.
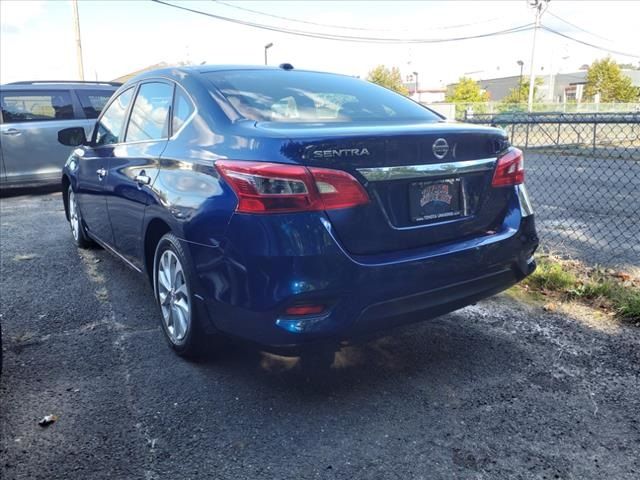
[(428, 183)]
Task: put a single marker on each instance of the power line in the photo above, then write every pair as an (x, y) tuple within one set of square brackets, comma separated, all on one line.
[(598, 47), (579, 28), (344, 27), (346, 38)]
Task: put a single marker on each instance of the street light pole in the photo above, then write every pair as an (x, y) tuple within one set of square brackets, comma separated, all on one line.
[(540, 6), (416, 86), (521, 63), (76, 24), (267, 47)]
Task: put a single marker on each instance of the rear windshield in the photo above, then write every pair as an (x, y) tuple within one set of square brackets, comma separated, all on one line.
[(290, 96)]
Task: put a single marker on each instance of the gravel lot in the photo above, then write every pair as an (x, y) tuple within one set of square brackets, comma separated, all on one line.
[(497, 390)]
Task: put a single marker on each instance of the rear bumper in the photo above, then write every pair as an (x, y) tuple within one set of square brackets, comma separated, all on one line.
[(264, 268)]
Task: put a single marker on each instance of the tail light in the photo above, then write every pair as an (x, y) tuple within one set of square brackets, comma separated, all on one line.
[(275, 188), (509, 170)]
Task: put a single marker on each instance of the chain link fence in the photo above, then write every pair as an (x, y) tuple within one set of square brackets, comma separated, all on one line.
[(583, 174)]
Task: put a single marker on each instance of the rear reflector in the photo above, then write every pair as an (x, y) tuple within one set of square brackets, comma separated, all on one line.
[(275, 188), (510, 169), (304, 309)]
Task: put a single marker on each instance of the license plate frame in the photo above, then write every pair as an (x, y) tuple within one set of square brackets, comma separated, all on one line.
[(435, 200)]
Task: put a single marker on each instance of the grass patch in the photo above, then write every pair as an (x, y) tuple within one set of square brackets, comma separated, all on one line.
[(615, 292)]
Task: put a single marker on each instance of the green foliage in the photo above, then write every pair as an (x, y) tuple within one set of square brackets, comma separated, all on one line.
[(551, 276), (467, 90), (520, 94), (629, 307), (604, 77), (571, 281), (468, 95), (389, 78)]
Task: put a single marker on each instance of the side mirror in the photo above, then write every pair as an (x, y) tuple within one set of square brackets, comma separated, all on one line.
[(72, 137)]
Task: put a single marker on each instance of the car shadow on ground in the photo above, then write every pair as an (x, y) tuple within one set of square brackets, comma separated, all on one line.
[(22, 191), (439, 352)]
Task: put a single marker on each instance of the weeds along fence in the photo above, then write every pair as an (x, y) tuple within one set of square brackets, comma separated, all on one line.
[(583, 174)]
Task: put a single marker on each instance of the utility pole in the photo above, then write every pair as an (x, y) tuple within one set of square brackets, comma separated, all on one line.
[(416, 86), (76, 22), (540, 6)]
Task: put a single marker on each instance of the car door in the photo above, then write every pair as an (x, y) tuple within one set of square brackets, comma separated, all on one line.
[(29, 134), (134, 166), (93, 167)]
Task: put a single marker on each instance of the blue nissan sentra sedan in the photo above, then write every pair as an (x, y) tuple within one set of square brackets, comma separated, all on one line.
[(295, 208)]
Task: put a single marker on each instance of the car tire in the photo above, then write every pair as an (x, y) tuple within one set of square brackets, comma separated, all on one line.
[(75, 222), (172, 282)]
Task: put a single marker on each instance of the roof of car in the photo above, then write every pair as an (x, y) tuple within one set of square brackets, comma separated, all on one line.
[(59, 84), (178, 72)]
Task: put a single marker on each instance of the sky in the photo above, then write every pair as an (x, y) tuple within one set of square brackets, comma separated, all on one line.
[(37, 39)]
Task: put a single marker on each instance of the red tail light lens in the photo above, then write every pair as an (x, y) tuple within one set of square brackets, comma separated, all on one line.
[(276, 188), (304, 309), (510, 169)]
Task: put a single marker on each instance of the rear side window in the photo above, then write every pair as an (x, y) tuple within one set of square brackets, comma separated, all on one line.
[(36, 106), (291, 96), (150, 114), (93, 101), (111, 124), (182, 109)]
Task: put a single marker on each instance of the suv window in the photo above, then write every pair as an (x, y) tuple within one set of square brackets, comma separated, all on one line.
[(182, 109), (150, 115), (111, 125), (93, 101), (36, 106)]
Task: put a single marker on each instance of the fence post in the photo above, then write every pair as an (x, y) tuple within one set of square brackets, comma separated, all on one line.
[(594, 136), (526, 137)]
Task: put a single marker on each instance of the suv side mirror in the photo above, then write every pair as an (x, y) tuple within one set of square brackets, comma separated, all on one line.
[(72, 137)]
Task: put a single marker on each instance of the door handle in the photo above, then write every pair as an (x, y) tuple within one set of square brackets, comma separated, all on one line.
[(11, 131), (101, 173), (142, 178)]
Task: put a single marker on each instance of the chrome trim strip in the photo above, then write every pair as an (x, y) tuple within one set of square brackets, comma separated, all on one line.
[(525, 203), (429, 170)]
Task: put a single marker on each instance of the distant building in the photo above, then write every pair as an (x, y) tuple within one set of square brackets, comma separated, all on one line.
[(427, 95), (424, 95), (558, 88)]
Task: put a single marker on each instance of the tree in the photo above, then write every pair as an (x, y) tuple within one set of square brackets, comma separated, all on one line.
[(604, 77), (520, 94), (389, 78), (467, 90)]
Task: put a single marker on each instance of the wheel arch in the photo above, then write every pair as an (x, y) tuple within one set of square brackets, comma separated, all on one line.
[(155, 230), (65, 197)]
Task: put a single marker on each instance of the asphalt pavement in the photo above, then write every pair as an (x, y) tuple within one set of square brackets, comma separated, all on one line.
[(587, 206), (501, 389)]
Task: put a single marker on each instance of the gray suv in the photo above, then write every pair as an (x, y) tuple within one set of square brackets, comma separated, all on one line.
[(31, 116)]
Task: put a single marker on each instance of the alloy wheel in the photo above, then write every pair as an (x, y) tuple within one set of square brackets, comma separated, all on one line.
[(74, 221), (173, 295)]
